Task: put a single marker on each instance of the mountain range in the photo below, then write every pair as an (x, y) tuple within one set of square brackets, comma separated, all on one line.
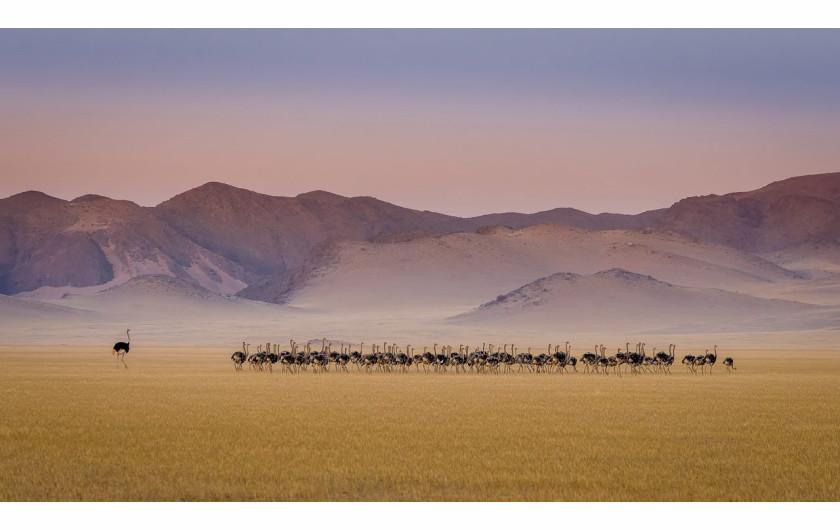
[(219, 264), (231, 240)]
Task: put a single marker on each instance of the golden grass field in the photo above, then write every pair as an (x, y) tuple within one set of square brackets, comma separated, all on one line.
[(180, 424)]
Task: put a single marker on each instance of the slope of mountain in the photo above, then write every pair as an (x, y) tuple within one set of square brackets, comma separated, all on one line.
[(159, 309), (94, 240), (36, 250), (816, 259), (11, 307), (168, 299), (783, 214), (269, 235), (617, 299), (456, 271)]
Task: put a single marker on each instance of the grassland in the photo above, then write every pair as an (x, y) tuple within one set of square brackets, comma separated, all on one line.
[(181, 425)]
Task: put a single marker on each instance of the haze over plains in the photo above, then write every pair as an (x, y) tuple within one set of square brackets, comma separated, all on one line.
[(464, 122)]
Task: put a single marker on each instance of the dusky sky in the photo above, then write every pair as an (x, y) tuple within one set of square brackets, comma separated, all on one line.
[(462, 122)]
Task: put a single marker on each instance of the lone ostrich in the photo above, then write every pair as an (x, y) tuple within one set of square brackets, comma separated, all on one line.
[(121, 348)]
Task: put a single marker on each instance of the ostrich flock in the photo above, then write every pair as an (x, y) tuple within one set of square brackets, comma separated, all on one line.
[(487, 359)]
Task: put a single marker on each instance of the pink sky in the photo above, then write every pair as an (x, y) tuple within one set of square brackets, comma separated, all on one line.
[(466, 159)]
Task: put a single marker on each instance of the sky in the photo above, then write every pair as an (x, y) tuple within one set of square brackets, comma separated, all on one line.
[(463, 122)]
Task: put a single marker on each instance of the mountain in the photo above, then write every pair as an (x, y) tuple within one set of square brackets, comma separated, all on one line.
[(92, 240), (231, 240), (36, 249), (571, 217), (617, 299), (269, 235), (780, 215)]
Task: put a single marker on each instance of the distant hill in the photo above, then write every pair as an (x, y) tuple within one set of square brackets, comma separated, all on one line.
[(617, 299), (571, 217)]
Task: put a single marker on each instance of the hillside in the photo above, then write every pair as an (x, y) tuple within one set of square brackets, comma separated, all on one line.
[(48, 242), (458, 271), (783, 214), (270, 235), (617, 299), (11, 307)]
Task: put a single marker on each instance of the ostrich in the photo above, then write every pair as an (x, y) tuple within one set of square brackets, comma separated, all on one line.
[(344, 358), (622, 357), (558, 359), (261, 359), (700, 360), (670, 360), (729, 364), (356, 356), (238, 358), (440, 359), (254, 359), (459, 360), (550, 360), (525, 360), (614, 363), (661, 357), (507, 360), (367, 361), (566, 357), (589, 359), (634, 359), (287, 358), (335, 357), (646, 361), (407, 358), (493, 361), (602, 361), (711, 359), (272, 358), (539, 362), (121, 348)]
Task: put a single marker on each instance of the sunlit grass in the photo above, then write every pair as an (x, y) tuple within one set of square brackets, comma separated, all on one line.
[(181, 425)]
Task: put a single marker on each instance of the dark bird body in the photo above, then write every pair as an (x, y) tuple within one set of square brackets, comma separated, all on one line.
[(729, 364), (121, 348)]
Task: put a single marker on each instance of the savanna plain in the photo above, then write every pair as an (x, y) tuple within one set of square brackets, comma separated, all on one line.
[(180, 424)]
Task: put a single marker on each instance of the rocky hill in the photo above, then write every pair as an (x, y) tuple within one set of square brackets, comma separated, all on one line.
[(49, 242), (783, 214)]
